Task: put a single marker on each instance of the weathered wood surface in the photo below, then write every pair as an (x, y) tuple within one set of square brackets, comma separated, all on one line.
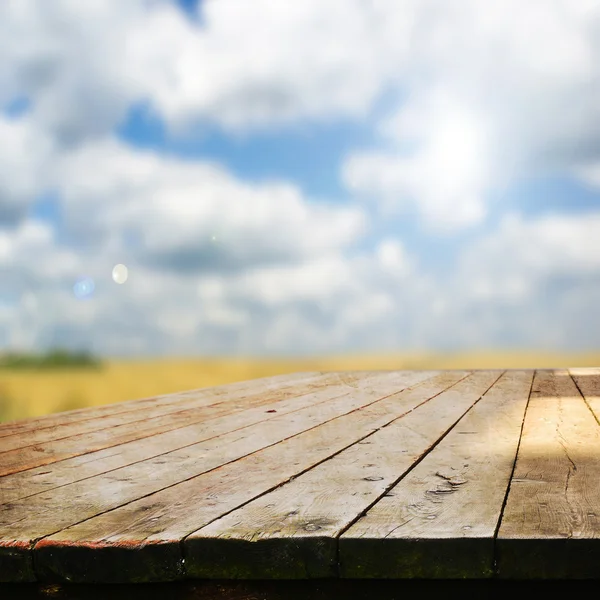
[(83, 414), (364, 474), (163, 413), (291, 533), (146, 533), (150, 422), (44, 514), (440, 520), (552, 514), (92, 456)]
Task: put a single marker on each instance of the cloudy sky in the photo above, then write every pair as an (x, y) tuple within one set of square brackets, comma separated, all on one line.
[(293, 178)]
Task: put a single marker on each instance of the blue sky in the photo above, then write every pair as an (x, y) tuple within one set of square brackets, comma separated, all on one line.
[(332, 178), (308, 154)]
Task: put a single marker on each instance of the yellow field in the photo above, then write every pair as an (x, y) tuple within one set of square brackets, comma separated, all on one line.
[(30, 393)]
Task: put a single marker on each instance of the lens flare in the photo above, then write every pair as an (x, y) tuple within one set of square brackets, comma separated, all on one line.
[(120, 273), (84, 287)]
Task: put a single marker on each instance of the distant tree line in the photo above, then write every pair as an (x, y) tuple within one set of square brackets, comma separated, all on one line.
[(54, 358)]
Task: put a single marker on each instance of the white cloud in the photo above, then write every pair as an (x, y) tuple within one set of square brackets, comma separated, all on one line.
[(446, 177), (525, 283), (30, 251), (317, 280), (494, 93), (265, 62), (175, 208), (551, 245), (186, 292), (516, 93), (589, 174), (24, 153), (82, 64), (248, 65), (392, 257), (532, 283), (490, 93), (255, 64), (323, 301)]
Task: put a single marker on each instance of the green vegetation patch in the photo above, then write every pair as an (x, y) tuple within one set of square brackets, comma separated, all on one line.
[(53, 359)]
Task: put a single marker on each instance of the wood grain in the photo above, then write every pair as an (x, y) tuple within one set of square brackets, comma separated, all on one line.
[(81, 414), (151, 528), (588, 384), (161, 406), (551, 523), (45, 514), (122, 453), (292, 531), (439, 521), (107, 432), (348, 476)]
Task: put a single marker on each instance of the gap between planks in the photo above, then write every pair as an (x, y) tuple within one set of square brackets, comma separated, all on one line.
[(74, 461), (565, 423), (23, 525), (60, 425), (553, 509), (58, 444), (294, 531), (171, 514), (81, 414)]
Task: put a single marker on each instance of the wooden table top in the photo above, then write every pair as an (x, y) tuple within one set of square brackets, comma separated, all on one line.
[(357, 474)]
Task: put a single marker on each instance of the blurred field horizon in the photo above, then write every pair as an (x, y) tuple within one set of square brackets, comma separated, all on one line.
[(29, 391)]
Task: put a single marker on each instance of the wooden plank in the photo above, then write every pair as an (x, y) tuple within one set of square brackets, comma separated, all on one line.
[(236, 389), (94, 454), (588, 383), (22, 524), (551, 523), (163, 406), (140, 541), (291, 532), (123, 429), (218, 393), (439, 521)]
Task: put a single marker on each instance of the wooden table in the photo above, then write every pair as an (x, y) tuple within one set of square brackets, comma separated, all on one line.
[(358, 475)]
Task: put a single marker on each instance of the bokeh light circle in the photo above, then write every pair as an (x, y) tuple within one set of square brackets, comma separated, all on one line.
[(84, 287), (120, 273)]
